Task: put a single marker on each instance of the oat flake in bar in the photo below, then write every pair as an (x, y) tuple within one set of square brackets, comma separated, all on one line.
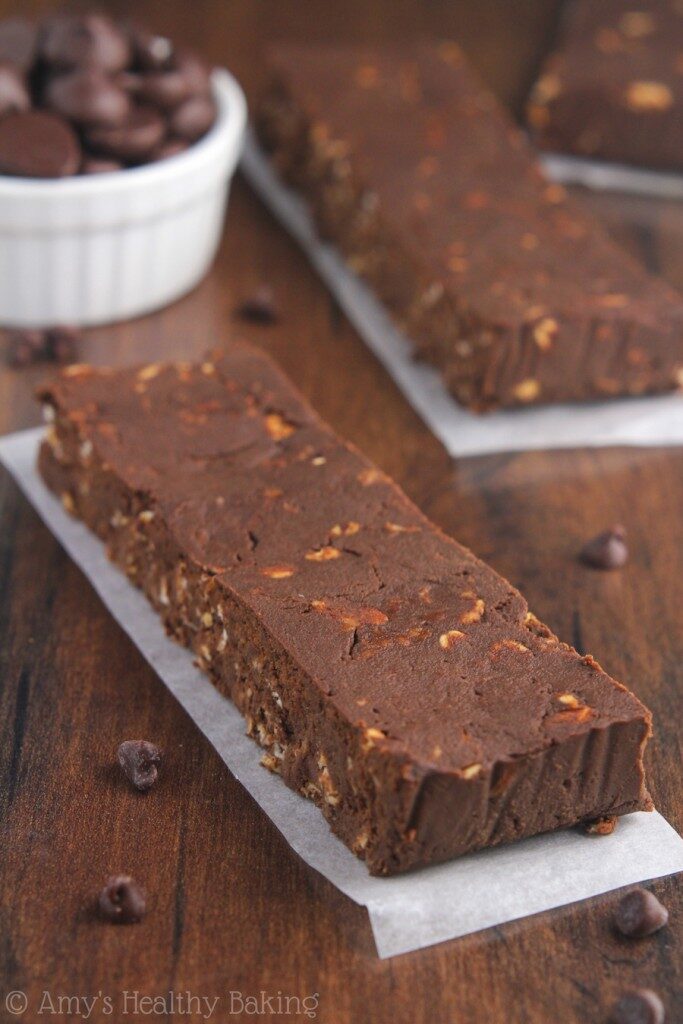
[(388, 674), (435, 198)]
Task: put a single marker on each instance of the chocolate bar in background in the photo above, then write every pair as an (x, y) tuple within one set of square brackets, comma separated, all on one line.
[(434, 197), (389, 675), (613, 88)]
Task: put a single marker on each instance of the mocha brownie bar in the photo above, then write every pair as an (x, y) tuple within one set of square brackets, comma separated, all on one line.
[(390, 676), (434, 197), (614, 87)]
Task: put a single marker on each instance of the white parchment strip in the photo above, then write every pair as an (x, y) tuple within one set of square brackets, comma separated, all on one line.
[(595, 174), (408, 912), (645, 422)]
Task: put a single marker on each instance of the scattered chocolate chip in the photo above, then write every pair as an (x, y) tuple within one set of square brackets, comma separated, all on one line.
[(34, 144), (642, 1006), (600, 826), (63, 344), (88, 97), (122, 900), (193, 118), (140, 761), (132, 141), (639, 913), (606, 551), (17, 42), (92, 40), (25, 348), (100, 165), (259, 308), (13, 92)]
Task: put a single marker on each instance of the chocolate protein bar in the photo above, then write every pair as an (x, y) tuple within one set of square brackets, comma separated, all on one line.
[(388, 674), (613, 89), (435, 198)]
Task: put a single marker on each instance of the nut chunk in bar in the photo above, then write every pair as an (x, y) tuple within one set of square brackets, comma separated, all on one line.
[(433, 196), (388, 674), (613, 89)]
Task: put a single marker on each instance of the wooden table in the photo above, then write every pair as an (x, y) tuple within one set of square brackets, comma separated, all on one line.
[(232, 908)]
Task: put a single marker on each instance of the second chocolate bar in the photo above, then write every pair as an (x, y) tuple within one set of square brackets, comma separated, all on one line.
[(435, 198)]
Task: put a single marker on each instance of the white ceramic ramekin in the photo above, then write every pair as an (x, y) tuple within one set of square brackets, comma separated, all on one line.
[(91, 250)]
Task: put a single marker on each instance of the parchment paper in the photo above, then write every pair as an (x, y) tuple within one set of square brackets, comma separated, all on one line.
[(596, 174), (406, 913), (631, 421)]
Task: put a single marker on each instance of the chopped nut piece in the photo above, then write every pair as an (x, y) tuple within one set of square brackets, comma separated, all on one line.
[(369, 476), (371, 736), (207, 620), (446, 640), (474, 614), (636, 24), (471, 771), (544, 334), (277, 572), (569, 700), (324, 554), (68, 503), (146, 516), (600, 826), (148, 372), (649, 96), (367, 76), (527, 390), (278, 427), (397, 528), (348, 530), (318, 460)]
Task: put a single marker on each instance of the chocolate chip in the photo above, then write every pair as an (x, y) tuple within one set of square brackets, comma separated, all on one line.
[(63, 343), (100, 165), (122, 900), (13, 92), (34, 144), (600, 826), (193, 118), (152, 52), (134, 140), (140, 761), (640, 913), (171, 147), (606, 551), (25, 348), (195, 72), (88, 98), (165, 89), (18, 42), (259, 308), (90, 40), (642, 1006)]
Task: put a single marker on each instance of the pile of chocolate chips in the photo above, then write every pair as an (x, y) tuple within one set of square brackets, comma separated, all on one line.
[(82, 94)]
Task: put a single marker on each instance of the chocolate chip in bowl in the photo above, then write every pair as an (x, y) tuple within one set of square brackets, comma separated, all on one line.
[(108, 130), (125, 91)]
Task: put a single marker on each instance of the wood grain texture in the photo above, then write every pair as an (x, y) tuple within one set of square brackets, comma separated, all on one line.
[(231, 907)]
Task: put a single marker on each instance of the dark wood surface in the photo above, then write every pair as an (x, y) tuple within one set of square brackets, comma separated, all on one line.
[(232, 908)]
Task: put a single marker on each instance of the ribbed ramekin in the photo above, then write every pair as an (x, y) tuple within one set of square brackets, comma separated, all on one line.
[(105, 247)]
